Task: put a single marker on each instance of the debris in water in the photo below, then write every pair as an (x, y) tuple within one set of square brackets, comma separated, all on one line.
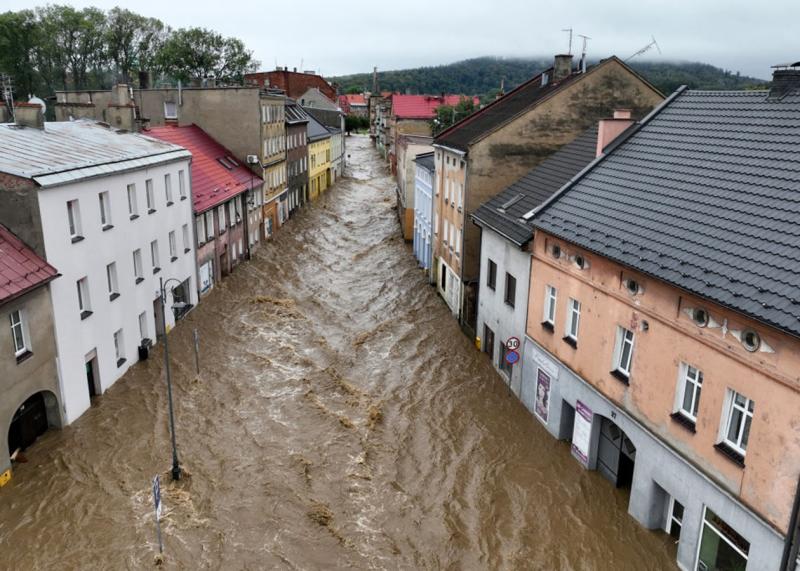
[(375, 414), (321, 514), (158, 560), (346, 422)]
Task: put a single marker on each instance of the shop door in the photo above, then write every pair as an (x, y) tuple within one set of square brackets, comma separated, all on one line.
[(616, 455)]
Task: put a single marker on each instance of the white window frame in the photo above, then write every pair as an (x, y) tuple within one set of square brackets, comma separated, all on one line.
[(104, 199), (133, 206), (173, 246), (688, 375), (619, 350), (111, 279), (186, 239), (84, 301), (143, 326), (119, 346), (168, 189), (19, 329), (154, 257), (572, 325), (221, 218), (182, 184), (232, 212), (170, 106), (138, 270), (151, 199), (200, 227), (458, 242), (745, 423), (74, 218), (209, 214), (705, 522), (550, 301)]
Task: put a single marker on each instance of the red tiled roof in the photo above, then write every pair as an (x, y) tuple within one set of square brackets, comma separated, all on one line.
[(355, 99), (422, 106), (212, 183), (344, 104), (21, 270)]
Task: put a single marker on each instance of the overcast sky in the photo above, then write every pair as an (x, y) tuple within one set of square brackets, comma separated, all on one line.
[(352, 36)]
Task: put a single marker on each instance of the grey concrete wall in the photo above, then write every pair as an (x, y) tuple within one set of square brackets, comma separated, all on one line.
[(21, 380), (19, 211), (659, 471)]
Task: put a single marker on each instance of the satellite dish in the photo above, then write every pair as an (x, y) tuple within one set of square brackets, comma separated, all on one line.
[(38, 101)]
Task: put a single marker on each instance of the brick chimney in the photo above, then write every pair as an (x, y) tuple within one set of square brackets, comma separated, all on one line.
[(29, 115), (562, 67), (785, 79), (610, 129)]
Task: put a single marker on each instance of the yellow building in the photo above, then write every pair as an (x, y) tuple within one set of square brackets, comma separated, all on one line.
[(319, 158)]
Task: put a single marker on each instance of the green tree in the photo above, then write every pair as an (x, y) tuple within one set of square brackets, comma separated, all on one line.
[(447, 115), (18, 37), (197, 52)]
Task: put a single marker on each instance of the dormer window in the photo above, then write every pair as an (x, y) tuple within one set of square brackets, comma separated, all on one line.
[(700, 317), (633, 287), (751, 340)]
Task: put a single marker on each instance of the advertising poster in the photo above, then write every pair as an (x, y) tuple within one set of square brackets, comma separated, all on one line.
[(542, 405), (582, 433)]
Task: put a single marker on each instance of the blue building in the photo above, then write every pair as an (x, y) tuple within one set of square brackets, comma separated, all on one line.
[(423, 209)]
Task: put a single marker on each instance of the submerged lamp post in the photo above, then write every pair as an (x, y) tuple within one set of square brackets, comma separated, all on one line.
[(176, 468)]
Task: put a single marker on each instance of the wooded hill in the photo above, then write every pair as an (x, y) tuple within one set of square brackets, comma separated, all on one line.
[(482, 76)]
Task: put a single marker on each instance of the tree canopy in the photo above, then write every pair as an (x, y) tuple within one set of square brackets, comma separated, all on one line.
[(60, 47)]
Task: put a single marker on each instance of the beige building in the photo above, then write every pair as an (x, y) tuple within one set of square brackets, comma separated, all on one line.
[(408, 147), (482, 154)]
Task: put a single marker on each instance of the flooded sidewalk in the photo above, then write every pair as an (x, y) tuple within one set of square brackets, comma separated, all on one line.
[(340, 420)]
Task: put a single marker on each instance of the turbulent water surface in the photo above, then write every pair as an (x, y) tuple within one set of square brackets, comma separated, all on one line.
[(341, 419)]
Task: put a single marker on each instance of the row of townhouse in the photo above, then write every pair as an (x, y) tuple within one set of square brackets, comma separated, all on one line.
[(635, 287), (112, 230)]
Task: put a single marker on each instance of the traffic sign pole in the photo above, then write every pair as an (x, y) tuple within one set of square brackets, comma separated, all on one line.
[(157, 505)]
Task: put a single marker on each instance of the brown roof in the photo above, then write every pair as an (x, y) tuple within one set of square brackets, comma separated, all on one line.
[(293, 83)]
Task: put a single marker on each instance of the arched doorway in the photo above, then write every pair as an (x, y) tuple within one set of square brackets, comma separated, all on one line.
[(616, 454), (31, 420)]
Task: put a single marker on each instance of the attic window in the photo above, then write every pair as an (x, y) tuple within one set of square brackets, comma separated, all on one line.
[(224, 162), (632, 286), (555, 251), (231, 160), (580, 261), (751, 340), (700, 317), (509, 203)]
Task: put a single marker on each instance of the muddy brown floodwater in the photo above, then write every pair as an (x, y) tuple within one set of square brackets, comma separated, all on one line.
[(341, 420)]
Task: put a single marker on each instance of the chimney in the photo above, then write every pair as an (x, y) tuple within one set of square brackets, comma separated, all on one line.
[(785, 79), (610, 129), (121, 95), (562, 67), (29, 115), (294, 70)]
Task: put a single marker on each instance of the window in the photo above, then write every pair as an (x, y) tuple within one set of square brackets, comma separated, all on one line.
[(232, 212), (151, 199), (84, 306), (170, 110), (674, 519), (221, 218), (119, 347), (186, 246), (436, 223), (511, 289), (168, 189), (105, 210), (458, 242), (721, 547), (573, 319), (111, 279), (182, 184), (143, 326), (443, 271), (738, 417), (446, 225), (137, 266), (690, 383), (154, 256), (19, 334), (200, 228), (173, 247), (133, 207), (550, 296), (209, 224), (74, 216), (623, 354), (491, 275)]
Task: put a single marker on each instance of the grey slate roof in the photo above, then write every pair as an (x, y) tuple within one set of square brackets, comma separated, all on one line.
[(705, 196), (426, 161), (316, 130), (66, 151), (503, 212), (294, 113)]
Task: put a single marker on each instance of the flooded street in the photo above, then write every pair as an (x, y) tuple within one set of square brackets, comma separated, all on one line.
[(340, 420)]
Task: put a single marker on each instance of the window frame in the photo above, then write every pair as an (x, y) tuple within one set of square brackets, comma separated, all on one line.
[(684, 379), (133, 205), (74, 220), (84, 300), (619, 351), (168, 188), (510, 300), (745, 422), (174, 105), (550, 304), (155, 258), (491, 274), (150, 196), (173, 246), (572, 325), (138, 265), (119, 347), (19, 325), (104, 199), (111, 281)]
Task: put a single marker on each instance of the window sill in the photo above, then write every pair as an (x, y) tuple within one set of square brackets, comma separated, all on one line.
[(491, 287), (173, 258), (151, 211), (183, 198), (24, 356), (76, 239), (107, 227), (120, 362), (729, 453), (170, 203), (509, 304), (547, 326), (156, 270), (187, 250), (620, 376), (113, 296), (85, 314), (139, 280), (684, 421), (221, 232), (571, 341), (134, 216)]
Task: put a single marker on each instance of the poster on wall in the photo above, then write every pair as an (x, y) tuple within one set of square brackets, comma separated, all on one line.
[(582, 433), (542, 405)]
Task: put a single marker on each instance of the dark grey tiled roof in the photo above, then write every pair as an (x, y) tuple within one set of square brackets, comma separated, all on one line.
[(316, 130), (426, 161), (295, 113), (706, 196), (503, 212)]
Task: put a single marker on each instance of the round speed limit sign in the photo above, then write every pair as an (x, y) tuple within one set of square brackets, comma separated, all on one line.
[(512, 344)]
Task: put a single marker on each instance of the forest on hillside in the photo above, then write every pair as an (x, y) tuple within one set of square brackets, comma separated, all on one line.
[(483, 76)]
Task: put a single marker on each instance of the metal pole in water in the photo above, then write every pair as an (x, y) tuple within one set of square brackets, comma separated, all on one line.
[(197, 351), (176, 469)]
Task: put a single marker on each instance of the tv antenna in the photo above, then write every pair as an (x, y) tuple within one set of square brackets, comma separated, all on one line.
[(570, 39), (583, 51), (7, 93), (648, 47)]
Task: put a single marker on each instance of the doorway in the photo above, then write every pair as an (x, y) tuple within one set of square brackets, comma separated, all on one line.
[(92, 374), (28, 423), (488, 342), (158, 316), (616, 454)]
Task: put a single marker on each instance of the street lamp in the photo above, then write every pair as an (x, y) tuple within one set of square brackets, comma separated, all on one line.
[(176, 468)]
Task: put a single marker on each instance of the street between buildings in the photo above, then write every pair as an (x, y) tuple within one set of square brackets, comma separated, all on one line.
[(340, 419)]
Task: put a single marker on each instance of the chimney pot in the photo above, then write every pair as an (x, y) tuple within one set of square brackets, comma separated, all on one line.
[(562, 67), (785, 79)]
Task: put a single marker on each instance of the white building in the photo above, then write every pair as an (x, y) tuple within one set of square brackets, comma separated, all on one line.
[(505, 258), (423, 208), (113, 212), (337, 153)]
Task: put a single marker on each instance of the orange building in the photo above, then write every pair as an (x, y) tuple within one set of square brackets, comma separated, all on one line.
[(663, 329)]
